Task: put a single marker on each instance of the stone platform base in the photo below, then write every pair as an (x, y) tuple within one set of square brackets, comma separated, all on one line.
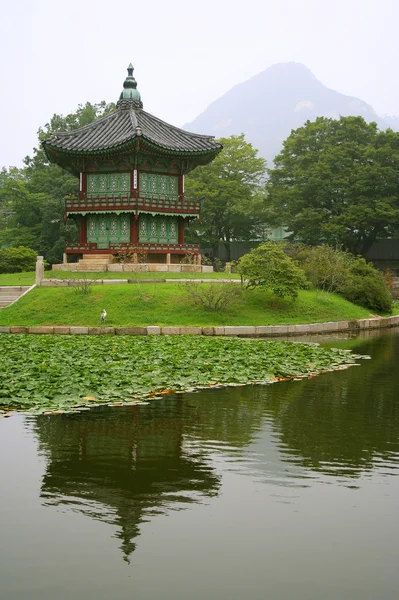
[(136, 268)]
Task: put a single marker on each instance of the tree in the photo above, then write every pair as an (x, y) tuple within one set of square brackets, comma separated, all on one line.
[(268, 266), (231, 187), (337, 181), (32, 198)]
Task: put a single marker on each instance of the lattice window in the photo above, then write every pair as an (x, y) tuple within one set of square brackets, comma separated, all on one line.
[(91, 226), (113, 183), (103, 183), (103, 226), (153, 227), (124, 182), (162, 229), (158, 229), (173, 237), (143, 182), (125, 225), (164, 185), (143, 227), (108, 183), (91, 184), (114, 225)]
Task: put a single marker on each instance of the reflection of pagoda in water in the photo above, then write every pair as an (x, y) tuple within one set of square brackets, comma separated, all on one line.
[(125, 465)]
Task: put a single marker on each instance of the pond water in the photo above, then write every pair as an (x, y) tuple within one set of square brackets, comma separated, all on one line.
[(280, 491)]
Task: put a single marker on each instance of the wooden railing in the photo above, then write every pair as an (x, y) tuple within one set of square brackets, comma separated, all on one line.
[(90, 247), (122, 200)]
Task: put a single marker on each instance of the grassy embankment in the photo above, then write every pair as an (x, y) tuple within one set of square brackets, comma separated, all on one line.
[(29, 277), (169, 304)]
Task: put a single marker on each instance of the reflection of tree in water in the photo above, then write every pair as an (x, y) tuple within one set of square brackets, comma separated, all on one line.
[(341, 423)]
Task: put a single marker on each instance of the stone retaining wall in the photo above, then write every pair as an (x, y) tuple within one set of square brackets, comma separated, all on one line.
[(242, 331), (135, 268)]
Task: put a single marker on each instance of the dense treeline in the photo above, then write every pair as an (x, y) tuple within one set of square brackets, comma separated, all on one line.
[(334, 182), (32, 197)]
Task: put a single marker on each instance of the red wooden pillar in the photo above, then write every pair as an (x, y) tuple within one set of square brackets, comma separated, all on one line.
[(181, 230), (180, 185), (134, 229), (82, 235)]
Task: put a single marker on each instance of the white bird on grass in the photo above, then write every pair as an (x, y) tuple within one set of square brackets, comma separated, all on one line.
[(103, 315)]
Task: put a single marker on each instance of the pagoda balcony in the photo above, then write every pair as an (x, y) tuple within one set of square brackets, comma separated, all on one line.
[(123, 201), (140, 248)]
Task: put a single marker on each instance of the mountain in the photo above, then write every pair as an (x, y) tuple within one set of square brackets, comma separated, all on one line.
[(269, 105)]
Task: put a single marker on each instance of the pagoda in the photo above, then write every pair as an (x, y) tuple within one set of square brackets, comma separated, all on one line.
[(131, 200)]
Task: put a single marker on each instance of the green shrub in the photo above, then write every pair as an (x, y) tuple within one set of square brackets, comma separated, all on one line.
[(334, 270), (366, 286), (213, 297), (268, 266), (17, 260), (325, 267)]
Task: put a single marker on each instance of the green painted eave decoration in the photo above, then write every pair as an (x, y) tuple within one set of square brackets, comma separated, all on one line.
[(96, 212), (118, 212), (164, 214)]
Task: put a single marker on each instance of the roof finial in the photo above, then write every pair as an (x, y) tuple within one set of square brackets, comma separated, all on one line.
[(130, 96)]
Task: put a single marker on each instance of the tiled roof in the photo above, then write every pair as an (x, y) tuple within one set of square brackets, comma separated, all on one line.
[(126, 124)]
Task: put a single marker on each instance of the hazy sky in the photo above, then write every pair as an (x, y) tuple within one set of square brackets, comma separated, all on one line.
[(56, 54)]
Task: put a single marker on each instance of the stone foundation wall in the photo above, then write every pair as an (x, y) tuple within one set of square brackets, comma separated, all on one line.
[(136, 268), (313, 329)]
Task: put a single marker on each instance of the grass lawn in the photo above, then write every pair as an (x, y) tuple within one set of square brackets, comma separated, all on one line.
[(17, 278), (169, 304)]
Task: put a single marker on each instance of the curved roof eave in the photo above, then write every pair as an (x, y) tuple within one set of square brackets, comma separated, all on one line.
[(124, 127), (127, 145)]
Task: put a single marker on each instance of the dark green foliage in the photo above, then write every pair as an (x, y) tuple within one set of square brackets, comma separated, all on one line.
[(231, 188), (334, 270), (40, 373), (325, 267), (336, 181), (268, 266), (32, 198), (17, 260), (367, 287)]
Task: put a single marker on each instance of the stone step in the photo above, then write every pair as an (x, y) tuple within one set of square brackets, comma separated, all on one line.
[(10, 293), (13, 288), (93, 262), (9, 298), (91, 268), (96, 256)]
